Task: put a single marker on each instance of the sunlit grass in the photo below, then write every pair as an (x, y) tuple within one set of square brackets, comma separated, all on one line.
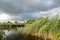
[(49, 27)]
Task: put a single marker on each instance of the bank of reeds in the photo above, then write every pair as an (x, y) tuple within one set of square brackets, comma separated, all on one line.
[(47, 28)]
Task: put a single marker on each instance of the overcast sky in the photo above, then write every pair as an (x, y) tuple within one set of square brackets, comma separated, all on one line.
[(21, 10)]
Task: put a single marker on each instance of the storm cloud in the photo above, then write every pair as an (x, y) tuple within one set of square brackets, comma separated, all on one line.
[(27, 9)]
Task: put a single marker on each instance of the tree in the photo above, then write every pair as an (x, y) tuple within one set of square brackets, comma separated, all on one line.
[(8, 22), (16, 22)]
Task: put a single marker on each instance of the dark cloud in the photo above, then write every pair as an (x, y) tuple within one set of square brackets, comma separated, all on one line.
[(42, 5), (24, 6), (23, 9), (14, 7)]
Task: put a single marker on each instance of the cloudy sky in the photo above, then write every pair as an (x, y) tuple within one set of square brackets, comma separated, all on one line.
[(21, 10)]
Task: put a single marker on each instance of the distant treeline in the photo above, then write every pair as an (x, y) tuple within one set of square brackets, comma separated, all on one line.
[(10, 25)]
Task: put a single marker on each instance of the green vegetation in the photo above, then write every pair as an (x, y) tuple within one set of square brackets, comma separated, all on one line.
[(10, 25), (49, 27), (1, 37)]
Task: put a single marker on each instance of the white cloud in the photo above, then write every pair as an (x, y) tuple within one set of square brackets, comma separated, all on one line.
[(30, 9), (4, 16), (39, 14), (50, 13)]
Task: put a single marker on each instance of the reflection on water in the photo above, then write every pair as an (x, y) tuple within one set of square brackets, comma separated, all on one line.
[(11, 35), (14, 35), (11, 32)]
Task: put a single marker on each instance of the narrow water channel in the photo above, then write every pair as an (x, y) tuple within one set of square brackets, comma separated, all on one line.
[(10, 35)]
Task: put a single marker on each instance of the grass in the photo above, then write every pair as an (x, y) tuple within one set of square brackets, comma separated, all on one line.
[(48, 27), (41, 29)]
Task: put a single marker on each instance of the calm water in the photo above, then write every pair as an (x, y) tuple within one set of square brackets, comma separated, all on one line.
[(10, 35), (14, 35)]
